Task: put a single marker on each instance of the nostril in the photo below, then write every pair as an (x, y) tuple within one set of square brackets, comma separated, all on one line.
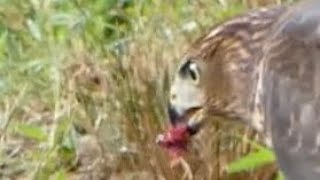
[(173, 115)]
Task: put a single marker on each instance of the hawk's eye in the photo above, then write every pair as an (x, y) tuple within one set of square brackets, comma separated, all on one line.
[(190, 70), (193, 71)]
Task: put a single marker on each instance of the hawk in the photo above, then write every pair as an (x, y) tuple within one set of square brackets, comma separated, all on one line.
[(261, 68)]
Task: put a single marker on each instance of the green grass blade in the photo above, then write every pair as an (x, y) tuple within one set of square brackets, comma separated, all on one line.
[(252, 161), (31, 131), (280, 176)]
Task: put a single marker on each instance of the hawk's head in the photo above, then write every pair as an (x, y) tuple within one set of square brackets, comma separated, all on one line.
[(217, 75)]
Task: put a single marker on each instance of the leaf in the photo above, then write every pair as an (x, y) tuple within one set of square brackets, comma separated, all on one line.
[(31, 131), (252, 161)]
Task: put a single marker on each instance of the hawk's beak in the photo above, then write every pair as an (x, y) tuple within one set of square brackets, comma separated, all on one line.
[(192, 117)]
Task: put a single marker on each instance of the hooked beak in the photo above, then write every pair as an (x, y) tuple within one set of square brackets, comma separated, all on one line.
[(192, 117)]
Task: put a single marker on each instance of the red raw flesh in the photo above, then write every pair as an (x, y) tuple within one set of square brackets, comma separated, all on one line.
[(175, 140)]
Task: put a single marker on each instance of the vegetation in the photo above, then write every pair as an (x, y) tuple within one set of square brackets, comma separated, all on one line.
[(83, 90)]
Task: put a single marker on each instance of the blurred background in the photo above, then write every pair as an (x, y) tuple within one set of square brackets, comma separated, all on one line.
[(83, 90)]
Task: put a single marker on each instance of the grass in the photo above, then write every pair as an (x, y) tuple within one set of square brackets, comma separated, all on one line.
[(84, 89)]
